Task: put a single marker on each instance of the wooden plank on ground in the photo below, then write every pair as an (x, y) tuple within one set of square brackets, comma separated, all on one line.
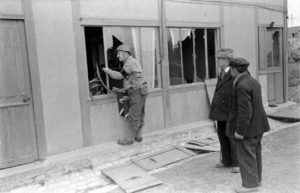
[(203, 141), (163, 158), (202, 148), (131, 178)]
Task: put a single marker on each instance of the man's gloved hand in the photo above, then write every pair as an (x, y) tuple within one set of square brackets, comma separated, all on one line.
[(106, 70)]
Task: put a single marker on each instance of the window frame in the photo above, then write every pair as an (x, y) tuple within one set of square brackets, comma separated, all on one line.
[(217, 38), (262, 30), (121, 23)]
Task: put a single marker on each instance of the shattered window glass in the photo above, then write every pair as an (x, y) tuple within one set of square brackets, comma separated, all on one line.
[(101, 44), (191, 55)]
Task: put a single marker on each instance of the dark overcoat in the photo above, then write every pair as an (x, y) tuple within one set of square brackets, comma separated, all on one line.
[(247, 115), (222, 98)]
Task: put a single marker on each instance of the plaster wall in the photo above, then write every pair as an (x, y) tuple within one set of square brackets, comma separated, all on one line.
[(264, 88), (239, 34), (188, 106), (108, 126), (270, 3), (58, 74), (265, 17), (120, 9), (13, 7), (191, 12)]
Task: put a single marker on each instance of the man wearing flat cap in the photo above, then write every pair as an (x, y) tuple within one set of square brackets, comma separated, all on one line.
[(247, 121), (220, 108)]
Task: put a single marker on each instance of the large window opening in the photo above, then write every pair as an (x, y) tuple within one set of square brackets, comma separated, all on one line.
[(191, 55), (101, 44)]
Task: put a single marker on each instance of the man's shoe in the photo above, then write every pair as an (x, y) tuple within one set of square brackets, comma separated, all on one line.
[(138, 139), (221, 165), (235, 170), (242, 189), (124, 142)]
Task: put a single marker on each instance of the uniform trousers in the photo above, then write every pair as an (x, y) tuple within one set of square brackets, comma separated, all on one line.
[(227, 144), (136, 113), (250, 160)]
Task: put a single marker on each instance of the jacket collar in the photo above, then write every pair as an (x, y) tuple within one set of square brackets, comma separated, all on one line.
[(239, 78), (222, 81)]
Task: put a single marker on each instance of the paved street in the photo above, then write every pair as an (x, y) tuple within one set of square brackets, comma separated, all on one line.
[(281, 168)]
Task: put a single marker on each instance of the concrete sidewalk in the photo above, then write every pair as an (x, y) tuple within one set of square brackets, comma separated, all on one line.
[(80, 171)]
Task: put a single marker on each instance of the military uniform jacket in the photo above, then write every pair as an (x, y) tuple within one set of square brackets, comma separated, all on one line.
[(134, 74), (222, 98), (247, 116)]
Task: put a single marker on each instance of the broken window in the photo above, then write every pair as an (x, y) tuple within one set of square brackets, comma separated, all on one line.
[(101, 44), (191, 55)]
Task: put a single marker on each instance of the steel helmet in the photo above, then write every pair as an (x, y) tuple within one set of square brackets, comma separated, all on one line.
[(124, 48)]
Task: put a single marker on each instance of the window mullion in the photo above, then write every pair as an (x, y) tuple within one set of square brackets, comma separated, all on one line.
[(194, 55), (105, 56), (206, 54), (181, 58), (217, 41)]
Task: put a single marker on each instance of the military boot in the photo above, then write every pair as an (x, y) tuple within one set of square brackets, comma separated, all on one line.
[(129, 137), (138, 135), (125, 141)]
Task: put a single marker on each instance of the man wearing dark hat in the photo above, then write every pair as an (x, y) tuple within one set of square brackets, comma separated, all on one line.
[(247, 121), (220, 108), (137, 90)]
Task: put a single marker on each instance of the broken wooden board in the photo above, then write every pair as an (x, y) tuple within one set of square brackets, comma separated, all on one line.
[(130, 177), (203, 144), (203, 141), (289, 115), (202, 148), (210, 85), (163, 157)]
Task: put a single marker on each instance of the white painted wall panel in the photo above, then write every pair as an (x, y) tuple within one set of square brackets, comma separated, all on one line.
[(264, 88), (261, 2), (58, 74), (239, 34), (189, 106), (120, 9), (265, 17), (108, 126), (191, 12), (11, 7)]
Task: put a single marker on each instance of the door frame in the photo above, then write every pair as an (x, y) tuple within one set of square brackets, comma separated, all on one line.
[(272, 70), (35, 79)]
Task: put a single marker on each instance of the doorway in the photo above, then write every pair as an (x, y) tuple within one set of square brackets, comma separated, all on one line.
[(18, 144)]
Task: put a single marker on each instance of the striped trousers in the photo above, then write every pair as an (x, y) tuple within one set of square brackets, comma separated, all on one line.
[(250, 160)]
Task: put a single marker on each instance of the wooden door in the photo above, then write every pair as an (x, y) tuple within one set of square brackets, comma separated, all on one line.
[(271, 61), (18, 143)]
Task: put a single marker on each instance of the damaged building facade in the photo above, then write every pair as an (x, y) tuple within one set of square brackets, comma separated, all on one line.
[(52, 100)]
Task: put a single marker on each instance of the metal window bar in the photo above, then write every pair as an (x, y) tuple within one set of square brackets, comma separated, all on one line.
[(217, 46), (158, 59), (105, 57), (194, 55), (206, 54), (181, 57)]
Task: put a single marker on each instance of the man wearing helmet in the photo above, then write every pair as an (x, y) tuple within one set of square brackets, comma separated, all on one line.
[(137, 90)]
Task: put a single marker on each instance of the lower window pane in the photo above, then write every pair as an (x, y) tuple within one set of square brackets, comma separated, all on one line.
[(211, 52), (200, 55), (143, 43), (187, 55), (95, 56), (148, 52), (276, 49), (174, 50)]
